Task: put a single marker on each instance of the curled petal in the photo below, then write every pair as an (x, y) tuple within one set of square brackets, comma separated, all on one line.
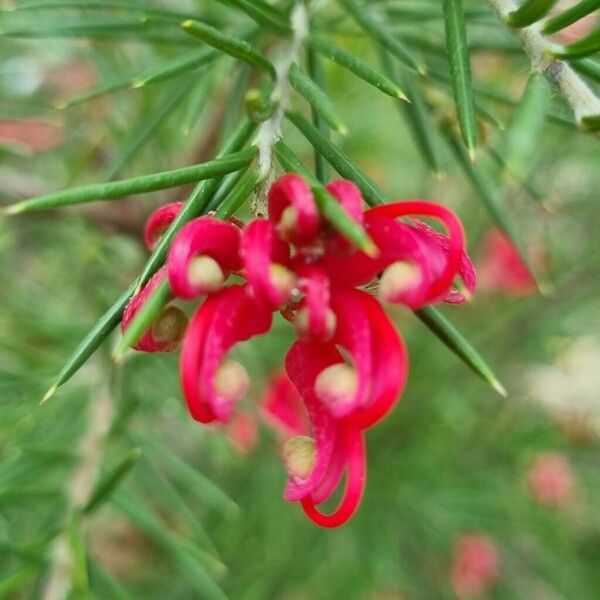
[(293, 210), (356, 475), (167, 330), (442, 283), (211, 385), (315, 321), (158, 222), (202, 255), (466, 269), (282, 407), (379, 361), (264, 257), (303, 363)]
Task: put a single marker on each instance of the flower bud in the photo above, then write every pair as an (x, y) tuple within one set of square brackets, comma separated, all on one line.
[(206, 273), (170, 326), (302, 324), (336, 383), (231, 380), (299, 456), (399, 278)]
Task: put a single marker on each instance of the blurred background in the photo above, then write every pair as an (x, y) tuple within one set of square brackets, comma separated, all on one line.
[(469, 494)]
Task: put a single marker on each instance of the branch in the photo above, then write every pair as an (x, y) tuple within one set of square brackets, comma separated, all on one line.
[(574, 90), (270, 130)]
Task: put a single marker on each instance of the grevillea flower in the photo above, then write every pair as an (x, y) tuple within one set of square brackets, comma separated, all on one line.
[(475, 565), (349, 366), (550, 480), (501, 269)]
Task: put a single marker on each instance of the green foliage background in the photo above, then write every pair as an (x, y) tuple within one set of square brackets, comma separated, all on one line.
[(194, 518)]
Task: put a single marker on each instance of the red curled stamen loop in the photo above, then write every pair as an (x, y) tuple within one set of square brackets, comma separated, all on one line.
[(356, 476), (450, 222), (158, 222)]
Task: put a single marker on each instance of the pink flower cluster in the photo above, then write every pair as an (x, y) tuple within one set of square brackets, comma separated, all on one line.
[(348, 363)]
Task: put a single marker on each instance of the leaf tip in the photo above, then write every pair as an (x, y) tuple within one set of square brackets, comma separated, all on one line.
[(369, 248), (343, 130), (187, 24), (498, 387), (49, 394), (7, 211), (472, 153)]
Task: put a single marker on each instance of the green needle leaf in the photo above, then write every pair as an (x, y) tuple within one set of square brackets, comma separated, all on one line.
[(456, 342), (521, 138), (355, 65), (111, 480), (460, 70), (417, 115), (195, 205), (587, 67), (237, 48), (336, 158), (586, 46), (136, 185), (570, 16), (377, 30), (317, 98), (590, 123), (529, 12)]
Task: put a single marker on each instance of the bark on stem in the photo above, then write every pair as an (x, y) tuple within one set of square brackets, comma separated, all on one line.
[(574, 90)]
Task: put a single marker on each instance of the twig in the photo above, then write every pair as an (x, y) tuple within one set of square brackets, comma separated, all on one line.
[(574, 90), (81, 485), (270, 130)]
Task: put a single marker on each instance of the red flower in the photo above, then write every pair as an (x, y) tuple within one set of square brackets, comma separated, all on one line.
[(475, 565), (349, 365), (551, 480), (501, 269)]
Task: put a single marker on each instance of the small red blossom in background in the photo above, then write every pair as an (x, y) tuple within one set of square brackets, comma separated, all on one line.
[(551, 480), (242, 432), (30, 135), (475, 565), (296, 263), (501, 270)]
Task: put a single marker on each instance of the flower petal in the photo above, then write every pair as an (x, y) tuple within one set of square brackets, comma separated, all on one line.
[(304, 361), (282, 407), (205, 239), (378, 356), (315, 320), (293, 210), (265, 258), (438, 288), (356, 475), (158, 222), (224, 319), (173, 320)]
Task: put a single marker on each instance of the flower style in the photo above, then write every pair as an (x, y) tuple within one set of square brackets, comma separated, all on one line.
[(348, 365)]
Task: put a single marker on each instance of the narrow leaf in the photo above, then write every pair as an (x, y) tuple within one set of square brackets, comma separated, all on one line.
[(169, 69), (317, 98), (148, 126), (376, 29), (587, 67), (136, 185), (106, 585), (194, 206), (316, 72), (263, 14), (570, 16), (111, 480), (237, 48), (586, 46), (356, 66), (337, 159), (455, 341), (521, 138), (460, 70), (590, 123), (529, 12), (15, 580), (426, 11), (417, 115)]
